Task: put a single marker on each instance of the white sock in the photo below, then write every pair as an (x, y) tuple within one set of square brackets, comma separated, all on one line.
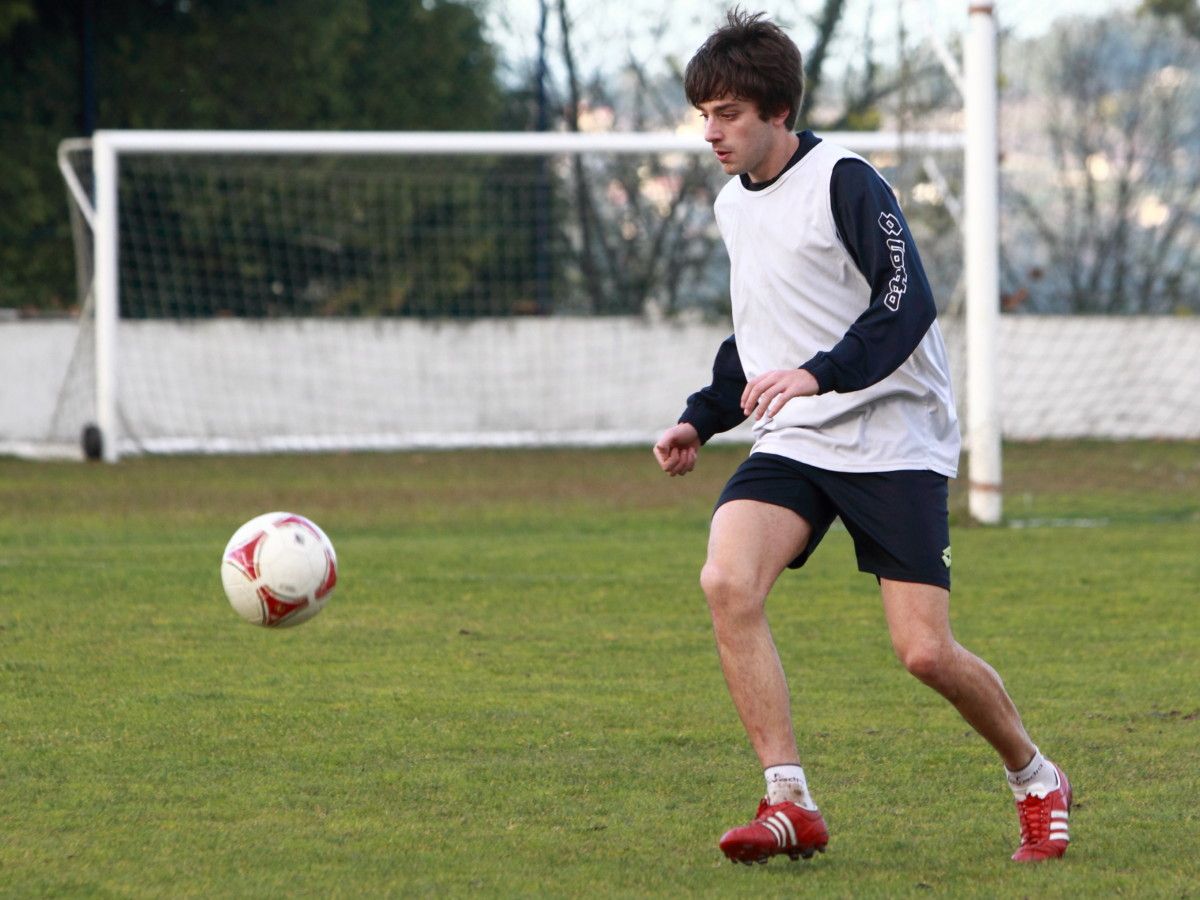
[(787, 783), (1038, 778)]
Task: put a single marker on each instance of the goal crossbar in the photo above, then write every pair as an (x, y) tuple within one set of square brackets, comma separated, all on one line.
[(469, 142)]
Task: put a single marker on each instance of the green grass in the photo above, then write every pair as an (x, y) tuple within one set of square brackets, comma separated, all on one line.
[(514, 691)]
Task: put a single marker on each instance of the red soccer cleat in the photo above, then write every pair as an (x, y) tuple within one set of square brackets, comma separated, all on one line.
[(782, 828), (1044, 833)]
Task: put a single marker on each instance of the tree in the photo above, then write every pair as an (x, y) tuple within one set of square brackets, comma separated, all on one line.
[(12, 14), (1186, 11), (306, 64), (637, 231), (814, 61), (640, 228), (1105, 180)]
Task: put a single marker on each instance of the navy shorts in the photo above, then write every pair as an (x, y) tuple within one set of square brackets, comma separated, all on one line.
[(899, 520)]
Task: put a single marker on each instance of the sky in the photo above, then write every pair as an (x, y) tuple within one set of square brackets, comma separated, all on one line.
[(607, 31)]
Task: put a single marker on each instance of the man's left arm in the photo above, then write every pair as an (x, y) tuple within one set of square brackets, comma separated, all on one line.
[(878, 239), (901, 309)]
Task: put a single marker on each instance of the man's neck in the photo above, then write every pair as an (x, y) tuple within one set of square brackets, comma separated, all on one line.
[(780, 154)]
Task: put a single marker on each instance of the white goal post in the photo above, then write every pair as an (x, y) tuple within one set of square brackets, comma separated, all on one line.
[(982, 245), (559, 346)]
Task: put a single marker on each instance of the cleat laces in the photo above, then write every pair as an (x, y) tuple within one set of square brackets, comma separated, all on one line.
[(1034, 813)]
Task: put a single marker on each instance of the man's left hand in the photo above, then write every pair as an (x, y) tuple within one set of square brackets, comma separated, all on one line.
[(766, 394)]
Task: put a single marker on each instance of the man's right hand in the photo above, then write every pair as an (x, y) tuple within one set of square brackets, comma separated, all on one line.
[(677, 448)]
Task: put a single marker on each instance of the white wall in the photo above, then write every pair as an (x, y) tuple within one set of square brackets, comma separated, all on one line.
[(34, 358), (396, 383)]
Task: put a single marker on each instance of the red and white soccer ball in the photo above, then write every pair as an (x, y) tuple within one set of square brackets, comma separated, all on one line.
[(279, 569)]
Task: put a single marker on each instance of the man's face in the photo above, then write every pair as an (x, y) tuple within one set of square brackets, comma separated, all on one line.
[(741, 139)]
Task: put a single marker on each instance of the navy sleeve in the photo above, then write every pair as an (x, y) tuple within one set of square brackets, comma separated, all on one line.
[(718, 407), (878, 239)]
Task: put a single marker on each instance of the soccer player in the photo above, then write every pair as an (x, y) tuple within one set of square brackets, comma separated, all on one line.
[(837, 356)]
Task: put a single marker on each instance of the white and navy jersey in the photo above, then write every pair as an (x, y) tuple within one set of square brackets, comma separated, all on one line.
[(825, 277)]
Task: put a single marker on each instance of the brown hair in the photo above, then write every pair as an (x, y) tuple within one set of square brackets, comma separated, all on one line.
[(748, 58)]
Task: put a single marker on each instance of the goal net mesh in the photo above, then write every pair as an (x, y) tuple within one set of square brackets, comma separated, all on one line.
[(289, 302)]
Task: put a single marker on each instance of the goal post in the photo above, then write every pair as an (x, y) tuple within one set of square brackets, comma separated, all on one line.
[(182, 328), (106, 293), (981, 243), (360, 286)]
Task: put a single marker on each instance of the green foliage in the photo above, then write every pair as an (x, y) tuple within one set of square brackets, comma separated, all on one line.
[(216, 64), (13, 13), (331, 236), (1186, 11), (514, 690), (868, 119)]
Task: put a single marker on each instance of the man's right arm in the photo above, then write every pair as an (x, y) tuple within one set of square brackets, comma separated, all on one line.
[(718, 407), (711, 409)]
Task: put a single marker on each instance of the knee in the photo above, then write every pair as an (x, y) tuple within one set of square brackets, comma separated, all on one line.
[(929, 661), (730, 593)]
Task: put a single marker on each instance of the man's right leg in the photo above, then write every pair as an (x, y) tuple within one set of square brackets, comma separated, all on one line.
[(750, 544)]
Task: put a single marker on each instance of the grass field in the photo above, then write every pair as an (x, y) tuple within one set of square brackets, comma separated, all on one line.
[(514, 692)]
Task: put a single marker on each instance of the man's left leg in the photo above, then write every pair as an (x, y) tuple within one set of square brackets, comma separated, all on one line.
[(918, 617)]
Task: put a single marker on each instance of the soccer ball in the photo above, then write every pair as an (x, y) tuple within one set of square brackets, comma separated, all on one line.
[(278, 569)]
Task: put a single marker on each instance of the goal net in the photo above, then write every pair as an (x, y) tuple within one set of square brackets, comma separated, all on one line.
[(249, 292)]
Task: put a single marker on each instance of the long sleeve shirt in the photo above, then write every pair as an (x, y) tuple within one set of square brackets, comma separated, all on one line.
[(825, 276)]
